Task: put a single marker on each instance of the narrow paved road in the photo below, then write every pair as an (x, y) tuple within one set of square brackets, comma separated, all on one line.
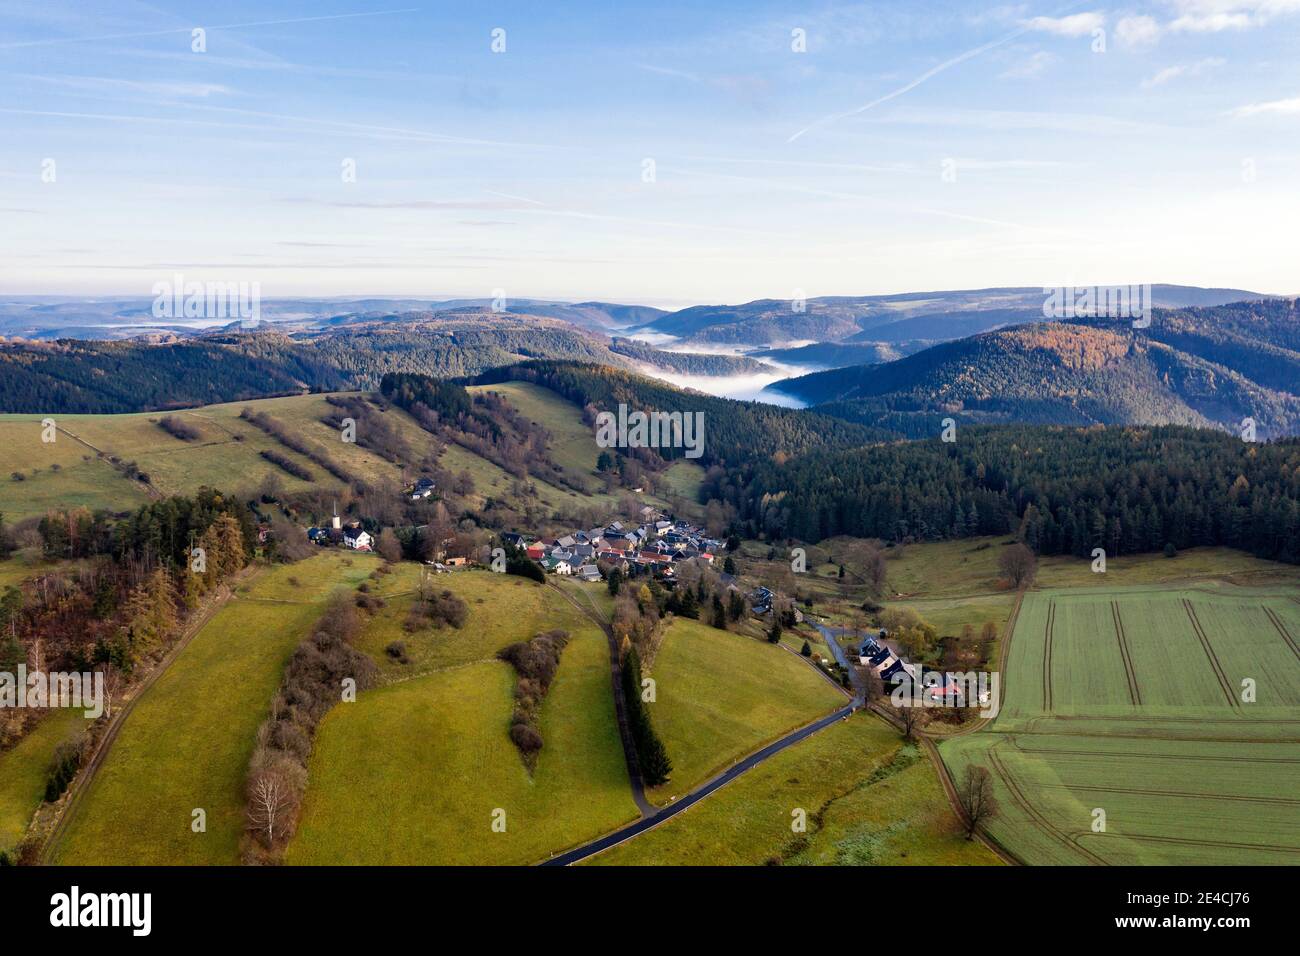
[(828, 635), (698, 794)]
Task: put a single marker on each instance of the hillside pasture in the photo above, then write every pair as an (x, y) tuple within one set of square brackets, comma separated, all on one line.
[(23, 771), (868, 800), (187, 742), (414, 770), (721, 696)]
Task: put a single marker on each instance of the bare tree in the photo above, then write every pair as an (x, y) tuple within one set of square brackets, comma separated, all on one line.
[(1019, 565), (873, 688), (271, 799), (975, 795), (912, 719)]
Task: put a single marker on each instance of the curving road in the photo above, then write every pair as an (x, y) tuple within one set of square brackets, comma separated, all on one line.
[(699, 793)]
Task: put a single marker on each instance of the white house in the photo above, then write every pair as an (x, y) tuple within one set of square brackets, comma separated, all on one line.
[(357, 540), (563, 567)]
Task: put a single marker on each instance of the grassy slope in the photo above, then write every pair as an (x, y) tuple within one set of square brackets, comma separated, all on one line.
[(187, 742), (227, 454), (722, 696), (81, 478), (573, 445), (899, 817), (23, 769), (413, 771)]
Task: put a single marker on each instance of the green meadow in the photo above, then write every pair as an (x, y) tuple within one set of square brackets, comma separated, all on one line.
[(416, 771), (187, 742), (721, 696), (866, 799)]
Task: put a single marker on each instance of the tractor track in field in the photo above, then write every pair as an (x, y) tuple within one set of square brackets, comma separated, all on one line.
[(1120, 735), (1033, 813), (1217, 844), (1185, 794), (1047, 656), (1209, 653), (1152, 756), (1157, 719), (1283, 632), (1134, 691)]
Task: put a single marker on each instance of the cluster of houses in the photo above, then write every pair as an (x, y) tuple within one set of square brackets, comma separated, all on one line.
[(876, 655), (353, 536), (655, 546), (892, 670)]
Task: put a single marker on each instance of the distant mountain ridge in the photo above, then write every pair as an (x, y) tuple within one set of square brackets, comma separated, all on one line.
[(933, 316), (114, 317), (72, 376), (1198, 366)]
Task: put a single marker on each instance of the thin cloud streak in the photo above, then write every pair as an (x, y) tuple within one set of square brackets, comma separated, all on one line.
[(928, 74), (225, 26)]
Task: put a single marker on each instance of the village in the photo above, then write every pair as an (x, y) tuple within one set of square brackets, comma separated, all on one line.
[(656, 546)]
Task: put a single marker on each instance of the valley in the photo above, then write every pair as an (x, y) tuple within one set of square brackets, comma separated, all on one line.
[(830, 525)]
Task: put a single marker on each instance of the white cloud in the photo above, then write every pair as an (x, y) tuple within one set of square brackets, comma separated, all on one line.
[(1030, 66), (1284, 107), (1184, 69), (1075, 25), (1215, 16), (1137, 31)]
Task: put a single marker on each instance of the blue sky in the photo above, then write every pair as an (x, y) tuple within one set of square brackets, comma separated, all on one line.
[(910, 146)]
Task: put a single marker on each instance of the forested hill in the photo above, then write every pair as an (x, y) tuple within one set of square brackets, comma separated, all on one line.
[(936, 316), (72, 376), (734, 432), (688, 363), (1213, 366), (1067, 490)]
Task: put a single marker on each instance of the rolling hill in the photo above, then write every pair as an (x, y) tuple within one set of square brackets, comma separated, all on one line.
[(96, 376), (934, 316), (1203, 367)]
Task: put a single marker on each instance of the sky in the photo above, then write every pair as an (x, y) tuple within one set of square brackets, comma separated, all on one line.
[(668, 154)]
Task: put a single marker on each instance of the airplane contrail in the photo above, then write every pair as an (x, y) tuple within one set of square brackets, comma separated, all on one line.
[(933, 71)]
